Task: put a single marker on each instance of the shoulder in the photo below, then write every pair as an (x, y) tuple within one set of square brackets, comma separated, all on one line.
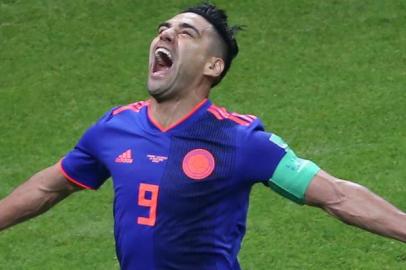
[(244, 123), (135, 107), (119, 115), (112, 122), (121, 110), (248, 128), (238, 119)]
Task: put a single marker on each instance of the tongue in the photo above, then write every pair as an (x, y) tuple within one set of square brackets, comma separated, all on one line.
[(160, 67)]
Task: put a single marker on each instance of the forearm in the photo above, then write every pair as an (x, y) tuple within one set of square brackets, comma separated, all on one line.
[(360, 207), (33, 197), (356, 205)]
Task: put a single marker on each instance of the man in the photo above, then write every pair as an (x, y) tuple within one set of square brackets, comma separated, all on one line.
[(183, 167)]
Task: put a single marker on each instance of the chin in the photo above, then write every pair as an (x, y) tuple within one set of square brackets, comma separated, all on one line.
[(154, 92), (157, 92), (154, 86)]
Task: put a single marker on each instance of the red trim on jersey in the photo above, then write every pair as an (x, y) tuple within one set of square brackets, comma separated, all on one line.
[(221, 113), (135, 107), (248, 118), (215, 113), (70, 179), (238, 120), (184, 118)]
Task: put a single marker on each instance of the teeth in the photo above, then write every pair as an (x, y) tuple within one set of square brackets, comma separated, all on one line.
[(164, 51)]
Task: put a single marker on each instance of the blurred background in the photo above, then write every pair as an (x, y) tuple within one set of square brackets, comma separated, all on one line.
[(327, 76)]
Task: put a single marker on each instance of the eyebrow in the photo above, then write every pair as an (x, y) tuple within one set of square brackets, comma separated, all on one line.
[(182, 25)]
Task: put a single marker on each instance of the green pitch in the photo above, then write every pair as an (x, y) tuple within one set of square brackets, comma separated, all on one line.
[(327, 76)]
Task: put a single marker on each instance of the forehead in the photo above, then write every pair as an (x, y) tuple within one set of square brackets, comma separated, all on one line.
[(193, 19)]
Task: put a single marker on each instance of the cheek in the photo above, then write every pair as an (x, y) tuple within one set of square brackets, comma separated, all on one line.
[(153, 42), (194, 56)]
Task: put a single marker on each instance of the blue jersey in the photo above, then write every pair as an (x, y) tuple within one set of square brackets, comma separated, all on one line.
[(181, 194)]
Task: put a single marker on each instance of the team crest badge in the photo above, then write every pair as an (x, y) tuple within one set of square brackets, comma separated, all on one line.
[(198, 164)]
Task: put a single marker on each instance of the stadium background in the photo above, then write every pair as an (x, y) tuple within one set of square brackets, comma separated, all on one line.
[(328, 76)]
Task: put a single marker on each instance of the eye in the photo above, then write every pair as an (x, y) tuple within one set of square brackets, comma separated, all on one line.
[(186, 33), (161, 29)]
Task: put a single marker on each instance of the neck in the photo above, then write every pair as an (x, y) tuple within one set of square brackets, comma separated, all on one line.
[(169, 112)]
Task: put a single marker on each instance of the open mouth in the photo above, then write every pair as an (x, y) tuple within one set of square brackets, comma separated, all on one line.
[(163, 62)]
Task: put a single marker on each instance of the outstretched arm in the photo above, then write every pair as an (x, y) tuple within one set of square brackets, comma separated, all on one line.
[(302, 181), (356, 205), (35, 196)]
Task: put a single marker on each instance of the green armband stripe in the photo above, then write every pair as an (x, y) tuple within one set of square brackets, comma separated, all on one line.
[(292, 176)]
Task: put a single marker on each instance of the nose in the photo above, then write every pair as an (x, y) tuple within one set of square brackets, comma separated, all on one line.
[(167, 35)]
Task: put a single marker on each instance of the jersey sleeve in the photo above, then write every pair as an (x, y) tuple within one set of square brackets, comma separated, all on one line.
[(83, 165), (267, 158), (259, 154)]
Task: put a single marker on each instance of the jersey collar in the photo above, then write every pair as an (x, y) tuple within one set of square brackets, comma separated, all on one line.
[(194, 114)]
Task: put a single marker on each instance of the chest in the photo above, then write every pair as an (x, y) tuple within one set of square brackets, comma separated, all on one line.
[(152, 158), (185, 166), (171, 177)]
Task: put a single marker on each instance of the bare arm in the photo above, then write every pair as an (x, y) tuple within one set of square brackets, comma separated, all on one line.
[(35, 196), (356, 205)]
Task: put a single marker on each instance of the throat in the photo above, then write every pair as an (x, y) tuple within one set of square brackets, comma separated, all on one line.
[(167, 115)]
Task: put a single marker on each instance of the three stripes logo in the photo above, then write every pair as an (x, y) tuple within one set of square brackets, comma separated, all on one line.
[(125, 157)]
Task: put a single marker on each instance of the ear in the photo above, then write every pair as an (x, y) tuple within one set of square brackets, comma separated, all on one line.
[(214, 67)]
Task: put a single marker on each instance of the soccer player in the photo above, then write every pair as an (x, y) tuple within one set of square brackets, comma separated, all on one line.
[(183, 167)]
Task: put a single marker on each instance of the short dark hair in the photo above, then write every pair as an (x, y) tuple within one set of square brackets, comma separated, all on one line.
[(218, 18)]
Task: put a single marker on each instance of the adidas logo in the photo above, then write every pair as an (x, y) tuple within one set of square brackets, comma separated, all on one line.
[(125, 157)]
